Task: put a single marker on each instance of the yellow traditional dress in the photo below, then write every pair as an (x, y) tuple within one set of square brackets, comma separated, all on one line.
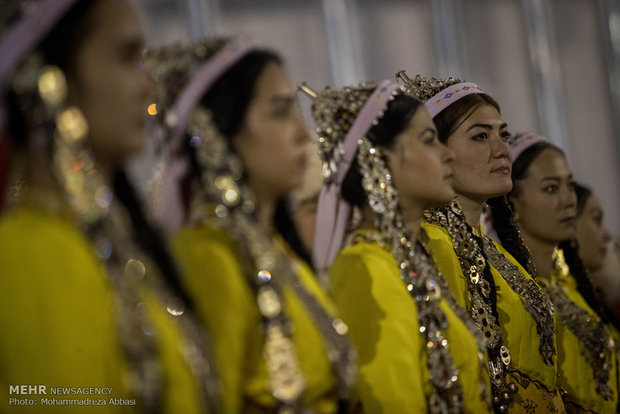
[(383, 325), (537, 381), (576, 373), (215, 276), (59, 329)]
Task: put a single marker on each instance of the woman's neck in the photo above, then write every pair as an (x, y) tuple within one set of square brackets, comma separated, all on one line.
[(34, 184), (472, 209), (265, 211), (542, 255), (38, 173), (107, 170), (411, 216)]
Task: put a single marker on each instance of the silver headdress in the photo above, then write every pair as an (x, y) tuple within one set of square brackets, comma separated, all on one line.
[(437, 94)]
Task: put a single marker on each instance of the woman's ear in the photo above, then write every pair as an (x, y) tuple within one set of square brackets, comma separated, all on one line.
[(511, 204)]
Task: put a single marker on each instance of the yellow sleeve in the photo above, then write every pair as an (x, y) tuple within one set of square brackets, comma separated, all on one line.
[(223, 300), (382, 322), (615, 373), (57, 319)]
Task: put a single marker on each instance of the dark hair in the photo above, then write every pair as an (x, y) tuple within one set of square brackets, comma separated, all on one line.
[(397, 116), (447, 121), (584, 284), (228, 100), (230, 96), (149, 237), (583, 194), (58, 48), (60, 45)]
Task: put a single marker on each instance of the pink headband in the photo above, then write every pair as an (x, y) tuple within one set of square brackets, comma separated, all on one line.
[(333, 212), (448, 96), (523, 141), (200, 83), (23, 36)]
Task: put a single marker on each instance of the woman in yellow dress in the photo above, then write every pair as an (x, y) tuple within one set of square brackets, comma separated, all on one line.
[(419, 351), (545, 207), (90, 301), (230, 112), (513, 313)]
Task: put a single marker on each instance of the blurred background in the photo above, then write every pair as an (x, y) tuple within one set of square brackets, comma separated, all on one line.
[(553, 65)]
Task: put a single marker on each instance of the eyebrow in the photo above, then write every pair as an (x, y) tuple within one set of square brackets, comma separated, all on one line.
[(282, 99), (134, 39), (135, 44), (570, 178), (486, 126)]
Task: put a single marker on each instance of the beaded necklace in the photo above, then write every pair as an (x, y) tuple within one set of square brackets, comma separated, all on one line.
[(475, 255)]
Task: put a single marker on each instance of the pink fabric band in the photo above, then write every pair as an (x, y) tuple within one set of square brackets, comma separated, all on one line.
[(333, 212), (523, 142), (448, 96), (23, 37), (200, 83)]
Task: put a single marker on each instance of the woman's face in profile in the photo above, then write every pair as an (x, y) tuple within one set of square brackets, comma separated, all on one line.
[(482, 164), (272, 140), (592, 235), (107, 82), (420, 164)]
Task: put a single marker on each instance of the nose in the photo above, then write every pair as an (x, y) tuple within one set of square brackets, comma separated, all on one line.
[(499, 147), (447, 155), (606, 235), (302, 134), (569, 197), (146, 82)]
